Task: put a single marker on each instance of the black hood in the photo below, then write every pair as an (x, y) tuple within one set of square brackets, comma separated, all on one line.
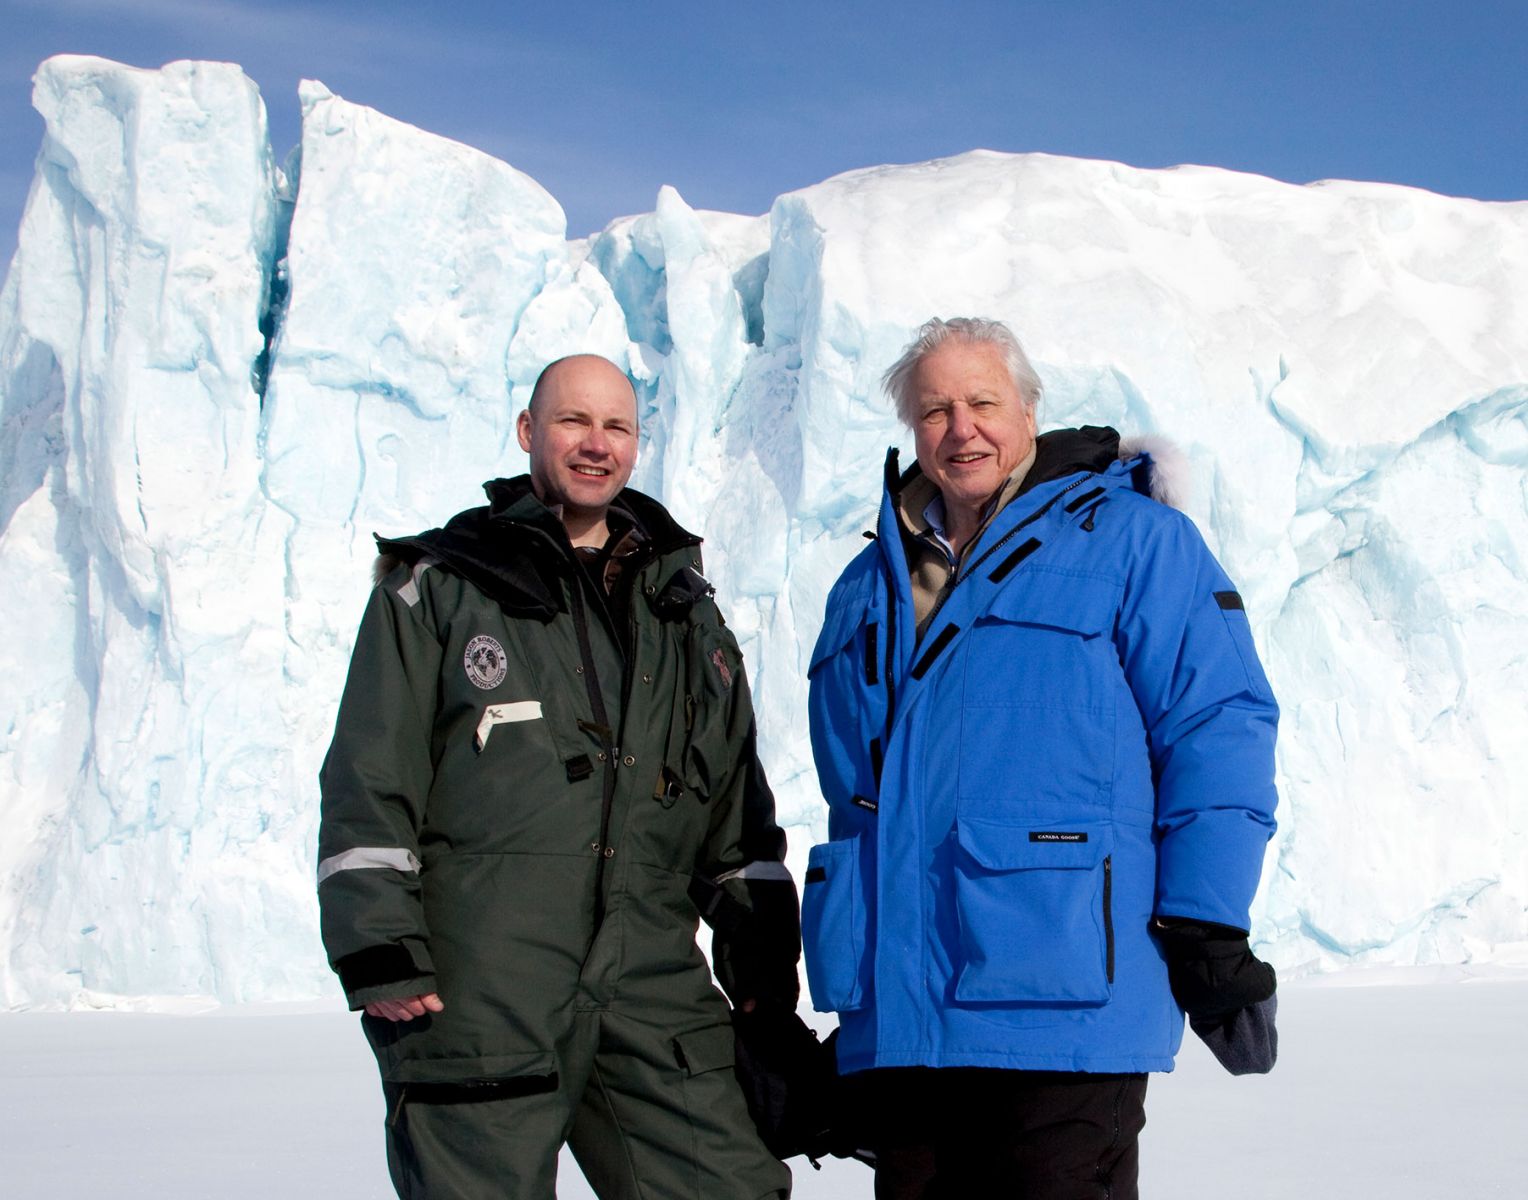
[(1066, 451), (514, 548)]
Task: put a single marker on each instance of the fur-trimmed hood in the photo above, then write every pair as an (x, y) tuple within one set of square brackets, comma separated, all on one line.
[(1166, 467)]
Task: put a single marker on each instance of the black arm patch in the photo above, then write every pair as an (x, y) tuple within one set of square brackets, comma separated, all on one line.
[(1230, 600), (1083, 499), (1013, 560), (946, 636)]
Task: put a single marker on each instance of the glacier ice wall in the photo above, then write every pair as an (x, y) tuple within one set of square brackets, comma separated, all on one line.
[(137, 693), (218, 377)]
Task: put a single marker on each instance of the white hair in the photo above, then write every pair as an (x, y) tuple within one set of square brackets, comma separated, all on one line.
[(975, 330)]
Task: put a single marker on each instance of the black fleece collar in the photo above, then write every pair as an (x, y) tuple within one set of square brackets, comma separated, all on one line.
[(514, 548)]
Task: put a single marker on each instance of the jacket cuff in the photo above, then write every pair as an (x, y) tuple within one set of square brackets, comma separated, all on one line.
[(383, 966), (420, 985), (1194, 927)]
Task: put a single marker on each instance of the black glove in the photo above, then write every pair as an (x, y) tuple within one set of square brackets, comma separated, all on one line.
[(1247, 1041), (1227, 992), (787, 1077), (1212, 970)]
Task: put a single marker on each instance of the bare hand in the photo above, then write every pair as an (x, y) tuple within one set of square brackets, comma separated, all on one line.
[(406, 1008)]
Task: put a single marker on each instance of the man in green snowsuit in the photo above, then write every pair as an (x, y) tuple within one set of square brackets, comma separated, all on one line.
[(543, 772)]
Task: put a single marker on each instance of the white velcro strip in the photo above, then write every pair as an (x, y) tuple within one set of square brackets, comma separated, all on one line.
[(368, 856), (505, 714)]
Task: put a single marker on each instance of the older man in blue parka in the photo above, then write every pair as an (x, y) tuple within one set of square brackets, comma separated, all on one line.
[(1046, 744)]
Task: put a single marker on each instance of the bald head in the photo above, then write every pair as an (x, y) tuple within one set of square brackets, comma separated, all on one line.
[(580, 431), (581, 371)]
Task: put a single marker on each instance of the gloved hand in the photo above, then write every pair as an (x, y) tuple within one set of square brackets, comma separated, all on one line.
[(1212, 969), (797, 1099), (1227, 992), (1247, 1041), (787, 1077)]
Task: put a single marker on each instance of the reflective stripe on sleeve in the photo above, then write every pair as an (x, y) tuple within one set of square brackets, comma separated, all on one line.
[(363, 857), (758, 870)]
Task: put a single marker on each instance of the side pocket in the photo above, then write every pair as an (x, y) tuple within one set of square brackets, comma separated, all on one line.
[(833, 933), (703, 1050), (1034, 906)]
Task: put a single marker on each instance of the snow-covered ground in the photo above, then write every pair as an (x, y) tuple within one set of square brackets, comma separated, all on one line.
[(1411, 1092)]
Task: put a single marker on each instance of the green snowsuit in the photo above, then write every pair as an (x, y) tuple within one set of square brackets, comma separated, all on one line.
[(528, 802)]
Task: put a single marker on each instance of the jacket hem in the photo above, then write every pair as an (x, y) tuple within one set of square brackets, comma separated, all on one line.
[(1110, 1064)]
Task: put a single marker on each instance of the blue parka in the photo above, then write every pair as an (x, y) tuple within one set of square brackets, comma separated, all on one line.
[(1081, 740)]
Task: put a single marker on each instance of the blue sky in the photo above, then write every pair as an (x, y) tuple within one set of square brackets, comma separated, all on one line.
[(736, 103)]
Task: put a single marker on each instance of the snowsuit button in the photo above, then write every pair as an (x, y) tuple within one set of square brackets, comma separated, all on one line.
[(630, 760), (646, 678), (650, 590), (595, 846), (609, 851), (578, 670), (600, 756)]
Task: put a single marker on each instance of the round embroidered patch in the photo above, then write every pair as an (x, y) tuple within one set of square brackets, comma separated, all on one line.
[(485, 662)]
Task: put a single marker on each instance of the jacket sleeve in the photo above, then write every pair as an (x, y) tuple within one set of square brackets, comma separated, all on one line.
[(742, 886), (1210, 717), (374, 783)]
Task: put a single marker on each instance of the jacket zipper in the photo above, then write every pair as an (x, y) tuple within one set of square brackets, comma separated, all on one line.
[(1109, 917), (602, 848), (610, 750), (960, 577), (890, 674)]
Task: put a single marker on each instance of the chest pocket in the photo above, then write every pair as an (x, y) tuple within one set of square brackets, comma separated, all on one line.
[(1041, 676), (1045, 643)]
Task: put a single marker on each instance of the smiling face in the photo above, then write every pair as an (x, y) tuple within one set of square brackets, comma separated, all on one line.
[(970, 423), (581, 434)]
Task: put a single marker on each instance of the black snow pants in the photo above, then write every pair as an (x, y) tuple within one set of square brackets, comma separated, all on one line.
[(981, 1134)]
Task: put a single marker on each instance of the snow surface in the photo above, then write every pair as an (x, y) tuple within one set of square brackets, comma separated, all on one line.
[(1410, 1093), (218, 376)]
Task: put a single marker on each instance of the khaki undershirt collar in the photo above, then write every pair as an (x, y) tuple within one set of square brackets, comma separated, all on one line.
[(931, 564)]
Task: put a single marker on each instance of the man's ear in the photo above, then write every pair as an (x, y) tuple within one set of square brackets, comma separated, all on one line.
[(523, 429)]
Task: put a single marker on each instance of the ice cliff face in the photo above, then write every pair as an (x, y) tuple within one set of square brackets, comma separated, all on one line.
[(218, 377)]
